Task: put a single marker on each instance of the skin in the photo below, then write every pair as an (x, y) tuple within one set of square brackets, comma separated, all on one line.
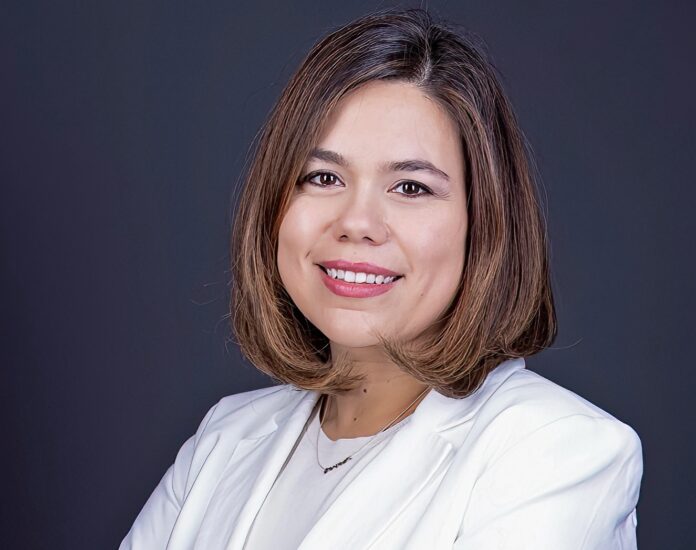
[(361, 213)]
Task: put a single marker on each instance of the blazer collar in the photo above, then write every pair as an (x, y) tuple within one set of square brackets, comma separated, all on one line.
[(419, 440)]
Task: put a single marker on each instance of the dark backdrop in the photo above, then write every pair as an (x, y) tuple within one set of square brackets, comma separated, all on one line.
[(124, 125)]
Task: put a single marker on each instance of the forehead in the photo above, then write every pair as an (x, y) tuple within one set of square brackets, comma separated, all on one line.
[(385, 120)]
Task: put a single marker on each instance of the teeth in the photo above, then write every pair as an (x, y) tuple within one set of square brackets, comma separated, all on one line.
[(359, 277)]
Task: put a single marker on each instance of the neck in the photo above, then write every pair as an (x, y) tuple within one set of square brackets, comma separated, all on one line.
[(377, 402)]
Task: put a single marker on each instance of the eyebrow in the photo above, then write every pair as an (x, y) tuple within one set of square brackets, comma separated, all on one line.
[(410, 165)]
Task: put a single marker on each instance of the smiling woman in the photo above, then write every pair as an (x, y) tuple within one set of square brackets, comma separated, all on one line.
[(390, 271)]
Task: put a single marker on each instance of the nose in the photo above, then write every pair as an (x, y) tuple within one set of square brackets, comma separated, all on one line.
[(360, 217)]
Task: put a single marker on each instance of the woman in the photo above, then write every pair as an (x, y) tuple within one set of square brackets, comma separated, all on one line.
[(390, 270)]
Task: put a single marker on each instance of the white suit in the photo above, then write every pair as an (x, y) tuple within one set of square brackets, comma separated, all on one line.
[(521, 464)]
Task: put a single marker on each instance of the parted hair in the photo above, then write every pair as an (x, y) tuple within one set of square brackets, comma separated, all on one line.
[(503, 307)]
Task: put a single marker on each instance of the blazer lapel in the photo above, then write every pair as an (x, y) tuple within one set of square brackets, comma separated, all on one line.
[(267, 463)]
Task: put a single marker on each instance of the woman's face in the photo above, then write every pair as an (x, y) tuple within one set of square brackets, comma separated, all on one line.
[(385, 187)]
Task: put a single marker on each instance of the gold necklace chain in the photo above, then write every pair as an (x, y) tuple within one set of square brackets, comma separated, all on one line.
[(329, 468)]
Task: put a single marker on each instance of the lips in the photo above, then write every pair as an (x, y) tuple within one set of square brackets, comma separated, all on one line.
[(359, 267), (354, 290)]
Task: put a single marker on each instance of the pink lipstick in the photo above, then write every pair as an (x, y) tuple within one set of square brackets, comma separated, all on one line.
[(357, 290)]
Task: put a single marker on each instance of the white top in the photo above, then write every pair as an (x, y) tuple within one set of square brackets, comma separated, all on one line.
[(520, 464), (302, 491)]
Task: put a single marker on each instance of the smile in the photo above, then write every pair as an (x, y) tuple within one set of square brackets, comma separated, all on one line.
[(356, 284), (358, 277)]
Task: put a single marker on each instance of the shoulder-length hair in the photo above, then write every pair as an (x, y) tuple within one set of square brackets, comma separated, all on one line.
[(503, 307)]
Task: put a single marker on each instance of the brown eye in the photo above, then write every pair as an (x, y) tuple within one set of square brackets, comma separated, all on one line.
[(412, 188), (320, 179)]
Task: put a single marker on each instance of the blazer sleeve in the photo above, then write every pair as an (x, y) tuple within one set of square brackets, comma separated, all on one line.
[(571, 484), (154, 523)]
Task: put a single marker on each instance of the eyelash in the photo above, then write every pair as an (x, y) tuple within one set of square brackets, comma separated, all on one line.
[(311, 175)]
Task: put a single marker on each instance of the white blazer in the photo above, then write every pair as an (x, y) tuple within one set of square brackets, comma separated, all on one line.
[(521, 464)]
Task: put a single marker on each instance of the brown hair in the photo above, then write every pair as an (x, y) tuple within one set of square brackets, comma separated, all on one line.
[(503, 307)]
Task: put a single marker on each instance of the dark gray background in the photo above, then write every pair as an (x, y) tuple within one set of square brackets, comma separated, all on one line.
[(124, 125)]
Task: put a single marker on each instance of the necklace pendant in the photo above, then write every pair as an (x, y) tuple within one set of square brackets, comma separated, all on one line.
[(326, 470)]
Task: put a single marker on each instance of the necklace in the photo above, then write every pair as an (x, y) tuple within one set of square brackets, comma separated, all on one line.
[(329, 468)]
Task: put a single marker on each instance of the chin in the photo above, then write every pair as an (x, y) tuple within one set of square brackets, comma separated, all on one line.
[(350, 328), (351, 339)]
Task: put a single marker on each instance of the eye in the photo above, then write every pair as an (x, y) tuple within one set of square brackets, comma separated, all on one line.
[(323, 179), (411, 189)]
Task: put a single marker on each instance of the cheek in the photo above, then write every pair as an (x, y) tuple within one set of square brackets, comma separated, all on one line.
[(437, 257), (300, 224), (289, 242), (297, 237), (297, 234), (439, 243)]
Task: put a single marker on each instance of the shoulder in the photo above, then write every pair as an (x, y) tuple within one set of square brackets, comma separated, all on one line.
[(539, 450), (248, 411), (247, 399), (527, 407), (540, 399), (252, 401)]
